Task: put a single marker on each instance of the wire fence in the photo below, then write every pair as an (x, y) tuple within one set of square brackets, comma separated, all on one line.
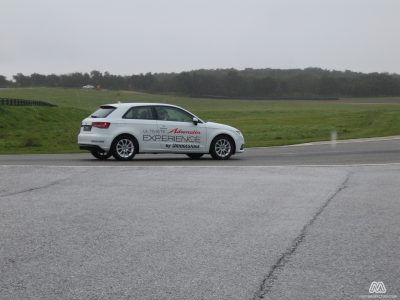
[(23, 102)]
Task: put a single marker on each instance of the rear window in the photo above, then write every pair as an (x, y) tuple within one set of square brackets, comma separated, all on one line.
[(103, 112)]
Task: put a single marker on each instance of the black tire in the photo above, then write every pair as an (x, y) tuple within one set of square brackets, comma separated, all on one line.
[(195, 155), (101, 155), (222, 147), (124, 147)]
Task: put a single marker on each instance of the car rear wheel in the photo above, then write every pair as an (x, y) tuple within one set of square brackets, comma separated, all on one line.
[(195, 155), (222, 147), (124, 147), (101, 155)]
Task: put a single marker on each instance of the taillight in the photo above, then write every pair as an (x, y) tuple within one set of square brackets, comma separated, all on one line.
[(103, 125)]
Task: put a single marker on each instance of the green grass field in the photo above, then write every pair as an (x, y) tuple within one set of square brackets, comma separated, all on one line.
[(263, 123)]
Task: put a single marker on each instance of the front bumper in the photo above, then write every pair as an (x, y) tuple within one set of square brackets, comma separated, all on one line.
[(239, 144)]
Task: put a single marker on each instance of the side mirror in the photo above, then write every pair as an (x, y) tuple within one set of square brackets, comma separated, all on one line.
[(195, 121)]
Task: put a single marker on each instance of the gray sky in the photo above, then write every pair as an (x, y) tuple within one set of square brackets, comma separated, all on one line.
[(132, 36)]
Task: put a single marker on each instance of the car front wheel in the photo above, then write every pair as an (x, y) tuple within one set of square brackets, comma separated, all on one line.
[(222, 147), (124, 147)]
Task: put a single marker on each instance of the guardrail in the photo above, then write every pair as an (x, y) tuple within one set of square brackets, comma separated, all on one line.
[(23, 102)]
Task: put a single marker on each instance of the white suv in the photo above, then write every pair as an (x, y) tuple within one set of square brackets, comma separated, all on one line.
[(125, 129)]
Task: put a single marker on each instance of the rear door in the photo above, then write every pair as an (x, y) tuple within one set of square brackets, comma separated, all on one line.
[(178, 132)]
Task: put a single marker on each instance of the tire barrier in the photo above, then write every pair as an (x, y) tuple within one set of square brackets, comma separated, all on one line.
[(23, 102)]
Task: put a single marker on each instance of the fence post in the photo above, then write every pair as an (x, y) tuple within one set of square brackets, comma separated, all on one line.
[(24, 102)]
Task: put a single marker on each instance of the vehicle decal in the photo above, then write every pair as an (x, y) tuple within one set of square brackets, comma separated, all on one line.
[(175, 135), (181, 131), (171, 138), (182, 146)]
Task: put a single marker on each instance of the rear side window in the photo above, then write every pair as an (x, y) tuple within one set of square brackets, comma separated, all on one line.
[(103, 112), (139, 113)]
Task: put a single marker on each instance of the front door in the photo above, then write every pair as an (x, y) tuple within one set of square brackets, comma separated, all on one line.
[(178, 132)]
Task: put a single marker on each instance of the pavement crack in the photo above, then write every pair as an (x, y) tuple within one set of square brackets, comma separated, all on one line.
[(271, 276), (34, 188)]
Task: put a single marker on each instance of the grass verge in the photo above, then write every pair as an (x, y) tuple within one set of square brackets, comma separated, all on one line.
[(263, 123)]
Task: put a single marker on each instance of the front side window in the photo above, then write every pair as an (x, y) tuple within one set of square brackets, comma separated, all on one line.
[(139, 113), (173, 114)]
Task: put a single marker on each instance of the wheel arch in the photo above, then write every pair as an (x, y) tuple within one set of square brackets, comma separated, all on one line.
[(220, 135), (126, 134)]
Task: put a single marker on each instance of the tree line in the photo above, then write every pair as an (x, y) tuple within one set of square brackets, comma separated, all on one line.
[(247, 83)]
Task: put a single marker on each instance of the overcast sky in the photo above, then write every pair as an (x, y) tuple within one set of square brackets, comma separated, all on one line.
[(132, 36)]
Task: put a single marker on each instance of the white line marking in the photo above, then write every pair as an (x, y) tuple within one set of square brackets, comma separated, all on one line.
[(205, 167)]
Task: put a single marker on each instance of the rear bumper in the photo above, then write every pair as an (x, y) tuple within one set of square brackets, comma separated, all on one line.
[(92, 141), (91, 147)]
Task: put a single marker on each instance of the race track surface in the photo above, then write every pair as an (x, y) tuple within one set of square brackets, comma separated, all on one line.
[(368, 151), (301, 222)]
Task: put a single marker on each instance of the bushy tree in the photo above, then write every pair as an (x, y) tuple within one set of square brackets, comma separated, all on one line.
[(4, 82), (248, 83)]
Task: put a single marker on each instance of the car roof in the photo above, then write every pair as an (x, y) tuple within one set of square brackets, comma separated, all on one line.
[(123, 104)]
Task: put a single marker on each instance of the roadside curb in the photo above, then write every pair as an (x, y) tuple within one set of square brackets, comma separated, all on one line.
[(375, 139)]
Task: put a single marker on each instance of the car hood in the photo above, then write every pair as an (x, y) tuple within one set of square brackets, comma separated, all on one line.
[(219, 126)]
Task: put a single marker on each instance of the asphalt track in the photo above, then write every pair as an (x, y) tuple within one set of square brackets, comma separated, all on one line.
[(364, 151), (314, 221)]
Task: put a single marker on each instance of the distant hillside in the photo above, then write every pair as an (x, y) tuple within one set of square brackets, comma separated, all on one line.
[(247, 83)]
